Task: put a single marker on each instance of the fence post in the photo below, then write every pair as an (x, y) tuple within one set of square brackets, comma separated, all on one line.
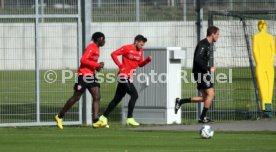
[(37, 75), (2, 3), (184, 10), (137, 10), (199, 11), (86, 7)]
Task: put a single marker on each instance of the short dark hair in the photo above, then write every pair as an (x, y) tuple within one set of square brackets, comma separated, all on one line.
[(97, 35), (212, 30), (140, 38)]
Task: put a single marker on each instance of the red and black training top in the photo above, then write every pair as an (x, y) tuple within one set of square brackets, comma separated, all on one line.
[(131, 59), (89, 60)]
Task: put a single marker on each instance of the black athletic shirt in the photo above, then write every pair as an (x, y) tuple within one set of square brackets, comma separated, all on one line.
[(202, 57)]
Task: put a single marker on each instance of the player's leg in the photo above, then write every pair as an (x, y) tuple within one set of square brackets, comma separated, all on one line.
[(70, 102), (208, 93), (208, 96), (191, 100), (131, 90), (96, 96), (179, 102), (120, 93), (79, 88)]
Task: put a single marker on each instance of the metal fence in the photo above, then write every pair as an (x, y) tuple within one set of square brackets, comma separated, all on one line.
[(240, 98), (174, 24), (32, 43), (38, 35)]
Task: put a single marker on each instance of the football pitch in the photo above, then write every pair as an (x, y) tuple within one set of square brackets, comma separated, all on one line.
[(122, 139), (117, 138)]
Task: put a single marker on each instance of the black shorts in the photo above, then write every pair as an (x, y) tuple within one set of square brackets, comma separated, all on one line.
[(84, 82), (203, 81)]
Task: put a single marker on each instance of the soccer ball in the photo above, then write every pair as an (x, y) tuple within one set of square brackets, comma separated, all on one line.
[(206, 132)]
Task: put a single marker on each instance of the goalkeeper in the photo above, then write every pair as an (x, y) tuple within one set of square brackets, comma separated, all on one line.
[(202, 74)]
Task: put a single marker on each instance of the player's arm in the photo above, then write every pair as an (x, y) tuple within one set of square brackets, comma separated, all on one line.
[(199, 59), (144, 62), (115, 54), (101, 66), (86, 60)]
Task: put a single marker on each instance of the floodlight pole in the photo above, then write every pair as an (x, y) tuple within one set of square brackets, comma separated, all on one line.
[(86, 7)]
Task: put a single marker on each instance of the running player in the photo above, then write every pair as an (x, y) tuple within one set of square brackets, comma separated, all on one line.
[(87, 80), (132, 56), (202, 74)]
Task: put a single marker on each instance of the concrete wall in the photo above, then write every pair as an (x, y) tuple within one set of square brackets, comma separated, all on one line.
[(58, 42)]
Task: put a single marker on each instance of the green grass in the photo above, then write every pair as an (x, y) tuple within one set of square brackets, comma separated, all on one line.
[(86, 139)]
